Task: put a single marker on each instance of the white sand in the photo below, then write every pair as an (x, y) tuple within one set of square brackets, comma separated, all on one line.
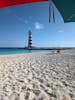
[(38, 76)]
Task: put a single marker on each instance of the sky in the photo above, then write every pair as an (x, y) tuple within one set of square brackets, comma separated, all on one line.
[(16, 21)]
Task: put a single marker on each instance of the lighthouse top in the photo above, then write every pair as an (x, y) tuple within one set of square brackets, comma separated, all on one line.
[(30, 32)]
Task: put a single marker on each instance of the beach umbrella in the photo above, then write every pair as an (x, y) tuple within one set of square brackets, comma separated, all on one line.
[(65, 7)]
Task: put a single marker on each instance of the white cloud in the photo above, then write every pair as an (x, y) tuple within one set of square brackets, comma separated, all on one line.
[(26, 21), (21, 19), (30, 17), (39, 26), (60, 31), (61, 45)]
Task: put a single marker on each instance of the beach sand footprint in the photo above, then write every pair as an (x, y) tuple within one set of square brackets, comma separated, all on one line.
[(37, 92)]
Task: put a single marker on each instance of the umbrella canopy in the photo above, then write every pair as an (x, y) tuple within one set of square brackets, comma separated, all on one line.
[(65, 7), (5, 3)]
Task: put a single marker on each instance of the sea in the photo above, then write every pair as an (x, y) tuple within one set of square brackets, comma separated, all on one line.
[(4, 51)]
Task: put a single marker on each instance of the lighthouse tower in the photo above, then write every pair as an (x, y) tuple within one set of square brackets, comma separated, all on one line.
[(30, 40)]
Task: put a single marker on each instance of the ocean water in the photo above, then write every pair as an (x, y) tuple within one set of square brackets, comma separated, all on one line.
[(20, 51)]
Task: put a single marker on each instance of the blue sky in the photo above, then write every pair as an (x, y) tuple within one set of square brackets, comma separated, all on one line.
[(15, 22)]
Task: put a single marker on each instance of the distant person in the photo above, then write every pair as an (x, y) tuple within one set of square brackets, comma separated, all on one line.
[(58, 51)]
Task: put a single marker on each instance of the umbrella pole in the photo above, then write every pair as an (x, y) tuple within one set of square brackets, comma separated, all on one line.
[(49, 14), (49, 10), (53, 14)]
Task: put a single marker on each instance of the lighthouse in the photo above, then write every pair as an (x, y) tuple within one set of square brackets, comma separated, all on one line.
[(30, 40)]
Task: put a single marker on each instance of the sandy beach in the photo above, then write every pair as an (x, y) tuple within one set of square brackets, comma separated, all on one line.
[(38, 76)]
